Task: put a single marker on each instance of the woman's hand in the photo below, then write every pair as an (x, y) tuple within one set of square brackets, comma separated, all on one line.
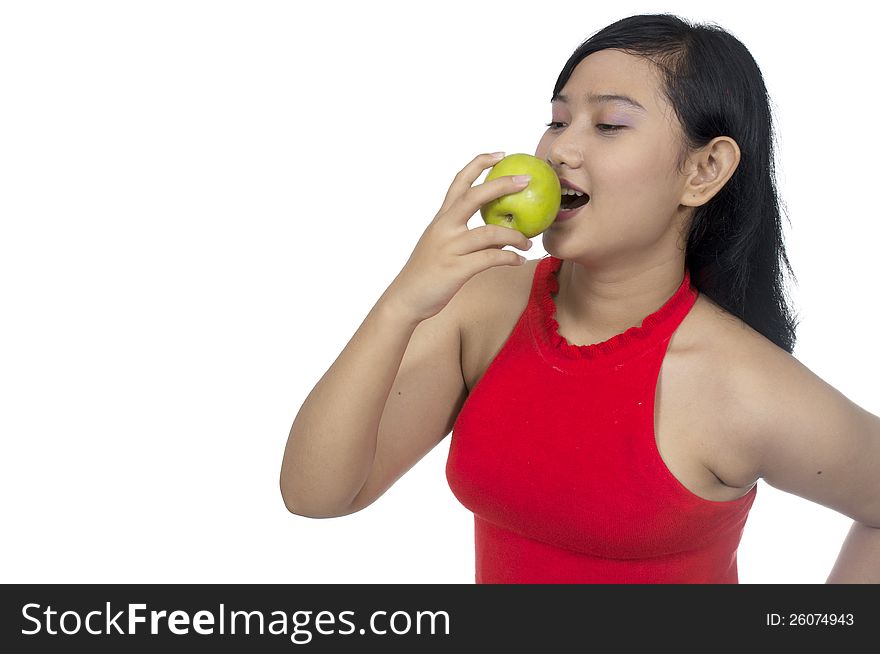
[(448, 253)]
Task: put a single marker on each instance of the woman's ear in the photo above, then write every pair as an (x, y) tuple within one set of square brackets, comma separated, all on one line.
[(712, 166)]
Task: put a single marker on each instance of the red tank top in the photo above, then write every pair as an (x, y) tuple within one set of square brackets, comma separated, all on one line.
[(555, 454)]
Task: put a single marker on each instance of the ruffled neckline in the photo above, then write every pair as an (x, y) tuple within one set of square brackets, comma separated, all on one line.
[(654, 328)]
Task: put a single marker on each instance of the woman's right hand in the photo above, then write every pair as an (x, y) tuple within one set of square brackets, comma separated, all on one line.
[(448, 253)]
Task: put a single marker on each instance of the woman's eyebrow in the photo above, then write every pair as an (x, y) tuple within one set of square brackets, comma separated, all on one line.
[(602, 98)]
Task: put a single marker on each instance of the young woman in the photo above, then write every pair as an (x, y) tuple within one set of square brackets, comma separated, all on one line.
[(612, 405)]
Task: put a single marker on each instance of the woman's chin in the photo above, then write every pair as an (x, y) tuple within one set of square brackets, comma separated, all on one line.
[(567, 248), (554, 244)]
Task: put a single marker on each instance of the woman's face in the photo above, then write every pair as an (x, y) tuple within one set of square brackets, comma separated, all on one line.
[(629, 171)]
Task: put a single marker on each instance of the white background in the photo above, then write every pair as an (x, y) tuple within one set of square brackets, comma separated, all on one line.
[(201, 201)]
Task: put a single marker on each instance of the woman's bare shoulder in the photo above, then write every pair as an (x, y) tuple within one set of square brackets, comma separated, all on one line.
[(731, 360), (726, 334), (496, 292), (797, 431)]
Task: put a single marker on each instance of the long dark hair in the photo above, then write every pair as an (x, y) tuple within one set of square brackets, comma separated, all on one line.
[(735, 251)]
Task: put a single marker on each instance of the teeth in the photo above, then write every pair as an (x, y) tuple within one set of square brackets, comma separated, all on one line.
[(571, 191)]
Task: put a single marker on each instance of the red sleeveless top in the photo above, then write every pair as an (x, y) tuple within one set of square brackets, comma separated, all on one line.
[(555, 454)]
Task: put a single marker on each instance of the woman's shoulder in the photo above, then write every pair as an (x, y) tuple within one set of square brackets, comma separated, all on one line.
[(492, 302), (720, 333), (726, 350), (496, 292), (730, 361)]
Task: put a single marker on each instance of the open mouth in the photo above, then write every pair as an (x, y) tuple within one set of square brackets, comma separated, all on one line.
[(572, 200)]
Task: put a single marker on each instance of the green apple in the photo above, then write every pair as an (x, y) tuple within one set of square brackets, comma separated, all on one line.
[(532, 209)]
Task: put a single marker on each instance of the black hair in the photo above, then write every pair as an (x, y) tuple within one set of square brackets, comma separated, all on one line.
[(735, 251)]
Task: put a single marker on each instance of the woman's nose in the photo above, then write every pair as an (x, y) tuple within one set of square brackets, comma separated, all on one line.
[(564, 152)]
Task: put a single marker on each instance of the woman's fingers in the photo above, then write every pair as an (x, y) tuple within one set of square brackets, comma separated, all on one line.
[(467, 176), (490, 236)]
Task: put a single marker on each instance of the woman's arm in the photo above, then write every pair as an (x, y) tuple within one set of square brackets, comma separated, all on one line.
[(348, 443), (859, 558), (332, 441), (805, 437)]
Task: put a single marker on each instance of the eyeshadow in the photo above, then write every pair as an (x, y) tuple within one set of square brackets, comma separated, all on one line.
[(620, 119)]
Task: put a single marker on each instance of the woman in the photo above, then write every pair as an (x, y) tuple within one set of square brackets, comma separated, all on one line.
[(613, 405)]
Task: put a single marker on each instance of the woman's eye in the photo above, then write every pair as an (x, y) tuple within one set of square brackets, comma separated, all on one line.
[(602, 127)]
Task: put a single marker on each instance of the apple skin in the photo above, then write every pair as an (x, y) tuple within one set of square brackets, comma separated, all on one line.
[(531, 210)]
